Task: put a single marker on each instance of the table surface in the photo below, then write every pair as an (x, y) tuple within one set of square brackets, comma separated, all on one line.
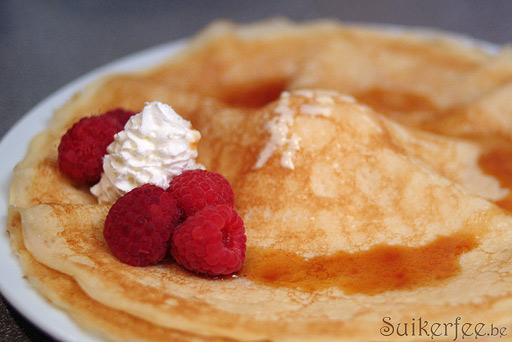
[(46, 44)]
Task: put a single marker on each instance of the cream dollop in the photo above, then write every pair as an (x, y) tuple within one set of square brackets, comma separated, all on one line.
[(305, 102), (155, 146)]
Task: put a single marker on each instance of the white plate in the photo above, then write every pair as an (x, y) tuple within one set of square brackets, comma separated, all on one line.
[(13, 148)]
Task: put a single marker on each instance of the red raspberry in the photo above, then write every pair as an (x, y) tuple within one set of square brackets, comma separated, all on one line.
[(139, 225), (82, 148), (212, 241), (195, 189), (121, 115)]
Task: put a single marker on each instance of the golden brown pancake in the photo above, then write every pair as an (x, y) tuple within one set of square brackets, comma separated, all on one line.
[(63, 291), (365, 166)]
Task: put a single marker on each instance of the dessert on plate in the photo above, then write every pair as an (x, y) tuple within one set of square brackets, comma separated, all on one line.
[(371, 169)]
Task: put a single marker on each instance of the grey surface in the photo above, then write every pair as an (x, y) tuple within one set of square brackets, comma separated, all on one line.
[(46, 44)]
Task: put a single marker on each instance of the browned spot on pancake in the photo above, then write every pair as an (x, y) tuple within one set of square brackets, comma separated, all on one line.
[(387, 101), (52, 186), (497, 162), (254, 95), (48, 172), (379, 269)]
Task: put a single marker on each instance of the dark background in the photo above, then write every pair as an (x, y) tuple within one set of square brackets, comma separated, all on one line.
[(46, 44)]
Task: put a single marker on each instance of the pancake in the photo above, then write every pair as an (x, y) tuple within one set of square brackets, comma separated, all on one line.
[(99, 320), (365, 165)]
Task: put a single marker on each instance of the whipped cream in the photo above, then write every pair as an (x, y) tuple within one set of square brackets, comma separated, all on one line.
[(155, 146)]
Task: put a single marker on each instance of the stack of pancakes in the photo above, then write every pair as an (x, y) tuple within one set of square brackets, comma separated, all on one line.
[(384, 195)]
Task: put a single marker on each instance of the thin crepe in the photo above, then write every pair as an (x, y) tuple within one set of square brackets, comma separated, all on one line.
[(396, 170)]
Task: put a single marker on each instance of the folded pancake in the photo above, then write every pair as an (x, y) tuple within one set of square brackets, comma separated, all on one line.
[(356, 207), (100, 320)]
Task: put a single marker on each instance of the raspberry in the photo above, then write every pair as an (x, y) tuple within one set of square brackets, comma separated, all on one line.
[(82, 148), (139, 225), (195, 189), (120, 115), (212, 241)]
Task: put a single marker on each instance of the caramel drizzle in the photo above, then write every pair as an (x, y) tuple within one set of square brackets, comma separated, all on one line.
[(381, 268)]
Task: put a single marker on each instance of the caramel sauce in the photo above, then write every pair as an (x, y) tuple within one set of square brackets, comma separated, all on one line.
[(497, 162), (379, 269), (254, 95), (391, 101)]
